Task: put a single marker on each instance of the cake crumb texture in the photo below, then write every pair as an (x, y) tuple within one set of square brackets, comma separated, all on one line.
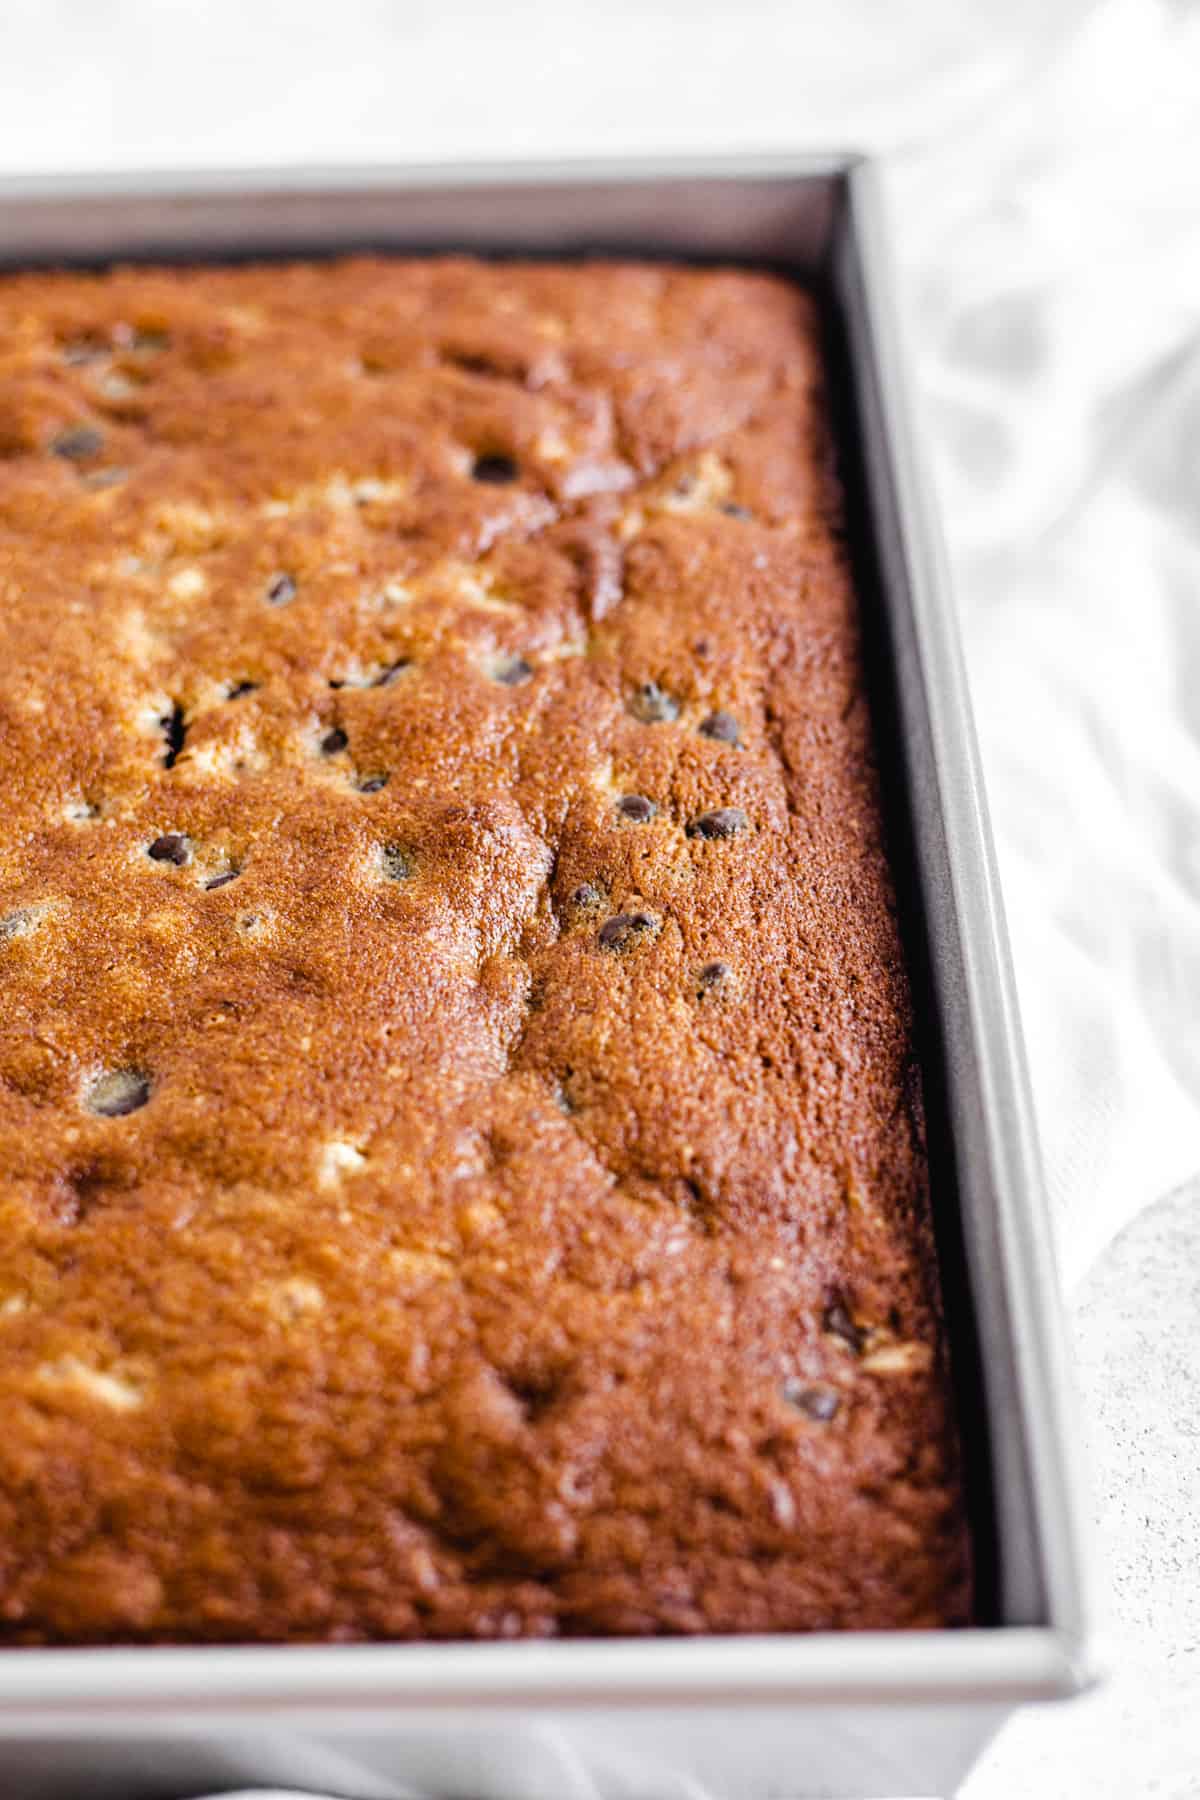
[(461, 1158)]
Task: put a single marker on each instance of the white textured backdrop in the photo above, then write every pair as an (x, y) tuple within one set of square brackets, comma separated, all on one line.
[(1044, 168)]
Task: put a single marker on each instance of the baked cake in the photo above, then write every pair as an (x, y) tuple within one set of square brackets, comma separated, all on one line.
[(461, 1142)]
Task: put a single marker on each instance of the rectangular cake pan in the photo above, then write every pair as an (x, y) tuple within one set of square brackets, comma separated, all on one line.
[(826, 1714)]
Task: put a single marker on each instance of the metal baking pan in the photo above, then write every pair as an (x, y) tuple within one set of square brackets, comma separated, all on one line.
[(844, 1714)]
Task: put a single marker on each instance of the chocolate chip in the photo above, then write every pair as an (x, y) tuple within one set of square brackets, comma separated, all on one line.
[(240, 689), (711, 976), (636, 808), (334, 741), (819, 1404), (586, 897), (735, 511), (623, 930), (722, 822), (838, 1321), (652, 706), (397, 862), (722, 727), (280, 589), (174, 733), (117, 1092), (372, 784), (510, 671), (78, 445), (220, 881), (495, 470), (172, 847)]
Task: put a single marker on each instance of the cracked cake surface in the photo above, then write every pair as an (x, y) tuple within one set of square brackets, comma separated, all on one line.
[(461, 1154)]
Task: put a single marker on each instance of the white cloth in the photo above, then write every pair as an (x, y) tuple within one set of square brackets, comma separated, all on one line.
[(1052, 252), (1042, 167)]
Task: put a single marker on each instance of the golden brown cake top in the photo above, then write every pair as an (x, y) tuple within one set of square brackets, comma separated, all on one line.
[(461, 1145)]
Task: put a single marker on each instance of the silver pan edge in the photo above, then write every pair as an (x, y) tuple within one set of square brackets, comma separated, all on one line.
[(822, 1697)]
